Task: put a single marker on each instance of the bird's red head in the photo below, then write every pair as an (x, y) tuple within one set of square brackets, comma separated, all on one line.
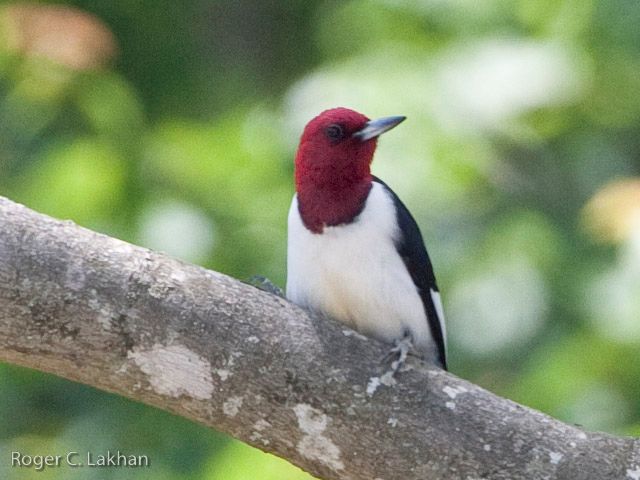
[(333, 175)]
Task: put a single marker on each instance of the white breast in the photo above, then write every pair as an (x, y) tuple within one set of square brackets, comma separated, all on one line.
[(354, 274)]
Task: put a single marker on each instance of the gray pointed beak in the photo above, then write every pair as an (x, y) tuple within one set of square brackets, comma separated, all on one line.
[(373, 128)]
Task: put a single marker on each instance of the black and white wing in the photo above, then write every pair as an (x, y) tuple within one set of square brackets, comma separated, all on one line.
[(411, 248)]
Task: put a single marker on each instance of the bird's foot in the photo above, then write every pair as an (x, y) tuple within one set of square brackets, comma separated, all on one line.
[(266, 285), (398, 354)]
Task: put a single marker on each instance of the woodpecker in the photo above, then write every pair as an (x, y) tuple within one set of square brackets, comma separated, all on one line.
[(354, 251)]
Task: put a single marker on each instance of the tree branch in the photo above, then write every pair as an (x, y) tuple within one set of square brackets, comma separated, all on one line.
[(202, 345)]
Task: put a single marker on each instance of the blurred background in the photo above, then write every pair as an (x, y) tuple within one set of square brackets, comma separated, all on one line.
[(173, 125)]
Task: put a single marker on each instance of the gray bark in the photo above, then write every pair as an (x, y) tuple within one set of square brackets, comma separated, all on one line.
[(204, 346)]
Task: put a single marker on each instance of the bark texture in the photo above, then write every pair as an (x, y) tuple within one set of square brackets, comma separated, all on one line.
[(121, 318)]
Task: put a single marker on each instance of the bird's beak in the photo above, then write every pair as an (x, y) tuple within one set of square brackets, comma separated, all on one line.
[(373, 128)]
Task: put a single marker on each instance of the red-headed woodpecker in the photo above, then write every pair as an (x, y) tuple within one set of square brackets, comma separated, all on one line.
[(355, 252)]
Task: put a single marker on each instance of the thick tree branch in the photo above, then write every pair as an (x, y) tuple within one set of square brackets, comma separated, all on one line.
[(197, 343)]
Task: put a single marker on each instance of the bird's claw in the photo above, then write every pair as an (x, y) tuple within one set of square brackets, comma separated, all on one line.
[(266, 285), (398, 354)]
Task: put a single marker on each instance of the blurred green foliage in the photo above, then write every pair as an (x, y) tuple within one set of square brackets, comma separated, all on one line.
[(519, 112)]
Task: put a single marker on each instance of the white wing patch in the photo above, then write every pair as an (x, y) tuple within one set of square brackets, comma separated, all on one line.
[(435, 297)]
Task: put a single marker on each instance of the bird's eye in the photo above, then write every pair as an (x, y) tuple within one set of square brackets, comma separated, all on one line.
[(335, 132)]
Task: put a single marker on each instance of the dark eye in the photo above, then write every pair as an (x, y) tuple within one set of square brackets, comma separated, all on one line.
[(335, 132)]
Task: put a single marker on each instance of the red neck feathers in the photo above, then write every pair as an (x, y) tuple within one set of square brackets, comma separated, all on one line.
[(333, 176)]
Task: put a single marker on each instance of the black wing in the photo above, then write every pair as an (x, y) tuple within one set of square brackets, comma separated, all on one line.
[(411, 248)]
